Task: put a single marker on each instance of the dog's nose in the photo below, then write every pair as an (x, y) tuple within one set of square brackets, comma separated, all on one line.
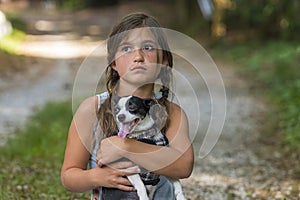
[(121, 117)]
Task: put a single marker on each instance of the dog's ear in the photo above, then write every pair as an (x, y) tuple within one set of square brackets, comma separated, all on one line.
[(148, 102), (159, 115), (115, 99)]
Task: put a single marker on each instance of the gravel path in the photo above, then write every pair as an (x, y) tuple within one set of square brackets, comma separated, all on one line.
[(240, 166), (21, 95)]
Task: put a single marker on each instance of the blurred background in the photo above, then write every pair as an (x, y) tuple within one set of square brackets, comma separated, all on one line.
[(255, 44)]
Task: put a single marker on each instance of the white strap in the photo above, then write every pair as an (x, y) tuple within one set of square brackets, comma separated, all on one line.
[(97, 192)]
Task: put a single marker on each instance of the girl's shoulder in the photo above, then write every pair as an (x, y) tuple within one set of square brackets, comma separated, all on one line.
[(92, 104), (174, 106), (176, 110)]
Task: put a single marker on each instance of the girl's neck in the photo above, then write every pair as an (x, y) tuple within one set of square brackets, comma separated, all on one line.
[(145, 91)]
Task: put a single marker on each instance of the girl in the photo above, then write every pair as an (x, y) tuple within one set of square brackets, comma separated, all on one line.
[(138, 55)]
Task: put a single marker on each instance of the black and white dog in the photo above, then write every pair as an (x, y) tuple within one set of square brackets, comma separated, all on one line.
[(142, 119)]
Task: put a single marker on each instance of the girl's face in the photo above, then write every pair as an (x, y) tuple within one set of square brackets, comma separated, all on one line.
[(137, 58)]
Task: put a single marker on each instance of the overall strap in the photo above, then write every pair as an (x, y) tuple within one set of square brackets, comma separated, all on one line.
[(97, 192), (101, 98)]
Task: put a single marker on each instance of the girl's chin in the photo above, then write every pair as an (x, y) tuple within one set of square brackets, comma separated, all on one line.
[(140, 79)]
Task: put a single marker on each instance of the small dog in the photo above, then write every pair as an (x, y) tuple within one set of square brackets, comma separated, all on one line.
[(142, 119)]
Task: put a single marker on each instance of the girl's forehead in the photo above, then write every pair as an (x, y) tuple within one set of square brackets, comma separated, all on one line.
[(138, 35)]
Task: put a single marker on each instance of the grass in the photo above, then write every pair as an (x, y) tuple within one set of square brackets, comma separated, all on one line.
[(274, 65), (31, 162)]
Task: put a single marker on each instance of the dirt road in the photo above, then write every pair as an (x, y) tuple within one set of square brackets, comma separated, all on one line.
[(240, 165)]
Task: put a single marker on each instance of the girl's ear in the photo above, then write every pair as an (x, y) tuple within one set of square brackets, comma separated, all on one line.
[(165, 62), (113, 66)]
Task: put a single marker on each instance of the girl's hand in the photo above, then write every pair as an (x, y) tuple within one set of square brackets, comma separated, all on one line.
[(109, 150), (114, 175)]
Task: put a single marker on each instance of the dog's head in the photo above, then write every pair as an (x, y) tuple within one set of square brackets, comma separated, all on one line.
[(132, 114)]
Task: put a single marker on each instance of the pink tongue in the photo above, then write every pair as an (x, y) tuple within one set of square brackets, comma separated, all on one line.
[(123, 131)]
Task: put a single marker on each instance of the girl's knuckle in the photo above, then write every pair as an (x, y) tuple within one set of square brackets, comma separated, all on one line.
[(122, 173)]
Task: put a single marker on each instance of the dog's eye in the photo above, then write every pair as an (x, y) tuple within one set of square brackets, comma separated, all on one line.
[(132, 107), (116, 110)]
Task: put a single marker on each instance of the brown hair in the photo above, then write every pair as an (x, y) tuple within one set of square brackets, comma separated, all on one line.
[(132, 21)]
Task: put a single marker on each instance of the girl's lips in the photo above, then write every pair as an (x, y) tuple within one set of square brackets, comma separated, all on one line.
[(138, 68)]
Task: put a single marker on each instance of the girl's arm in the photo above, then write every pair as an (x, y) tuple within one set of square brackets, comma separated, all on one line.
[(175, 161), (75, 177)]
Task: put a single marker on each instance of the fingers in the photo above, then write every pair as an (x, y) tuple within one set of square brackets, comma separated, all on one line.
[(126, 188), (99, 163), (126, 172), (119, 181), (131, 170), (124, 184), (116, 178), (100, 160), (121, 165)]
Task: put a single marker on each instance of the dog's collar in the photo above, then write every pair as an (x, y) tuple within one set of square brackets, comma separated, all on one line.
[(152, 129), (157, 96), (151, 181)]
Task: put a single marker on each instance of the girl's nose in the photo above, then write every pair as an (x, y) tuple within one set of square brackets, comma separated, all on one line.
[(138, 55)]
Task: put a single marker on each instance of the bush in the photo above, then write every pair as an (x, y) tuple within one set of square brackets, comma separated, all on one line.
[(268, 18), (80, 4)]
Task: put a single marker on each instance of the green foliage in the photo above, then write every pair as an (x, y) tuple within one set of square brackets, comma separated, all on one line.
[(31, 162), (72, 4), (16, 21), (96, 3), (10, 43), (275, 65), (80, 4), (269, 18)]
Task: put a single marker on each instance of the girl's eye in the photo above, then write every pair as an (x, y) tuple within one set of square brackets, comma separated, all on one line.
[(148, 47), (126, 49)]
